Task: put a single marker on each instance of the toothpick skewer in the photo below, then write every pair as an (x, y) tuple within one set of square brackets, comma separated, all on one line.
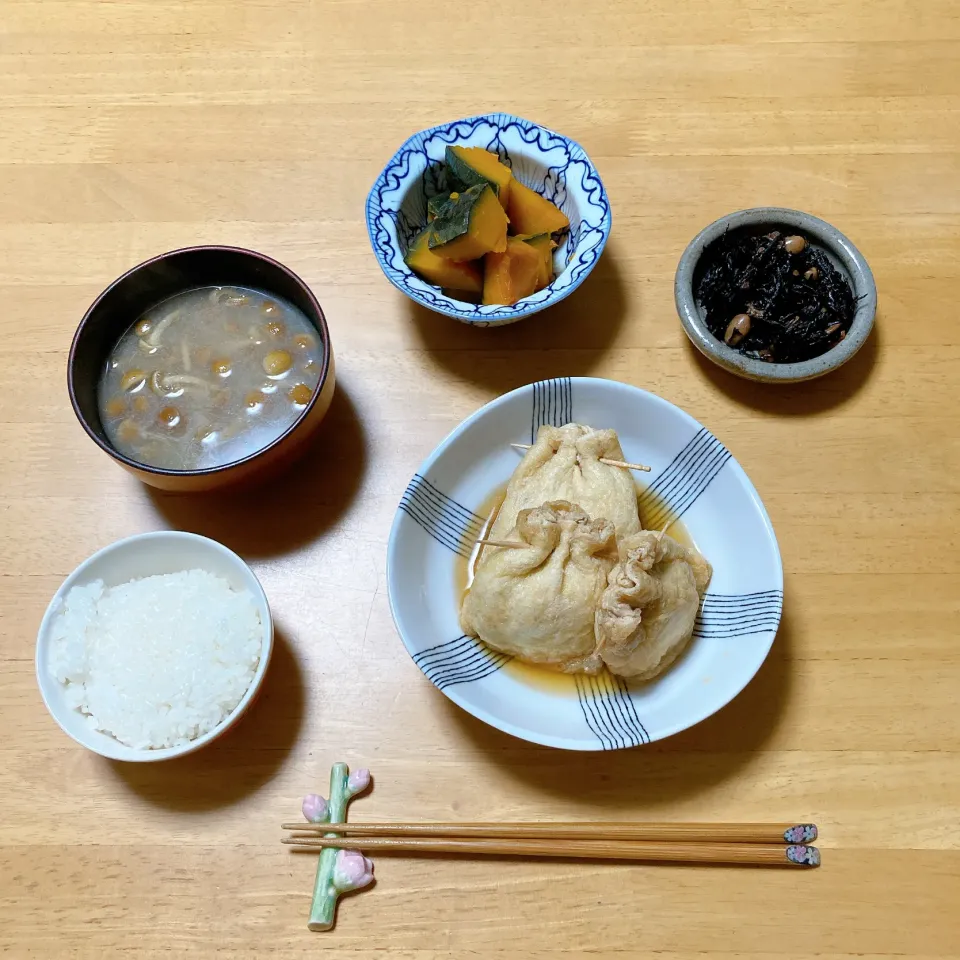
[(625, 465), (606, 460)]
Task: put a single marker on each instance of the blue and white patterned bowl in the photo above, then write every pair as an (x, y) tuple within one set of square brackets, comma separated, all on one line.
[(553, 165), (694, 477)]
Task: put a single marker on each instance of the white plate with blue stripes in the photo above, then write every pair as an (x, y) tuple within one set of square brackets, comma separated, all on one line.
[(693, 478)]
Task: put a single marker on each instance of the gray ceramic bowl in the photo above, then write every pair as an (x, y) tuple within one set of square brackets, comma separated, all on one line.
[(845, 257)]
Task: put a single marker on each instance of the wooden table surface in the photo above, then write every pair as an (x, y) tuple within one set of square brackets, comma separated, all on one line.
[(130, 128)]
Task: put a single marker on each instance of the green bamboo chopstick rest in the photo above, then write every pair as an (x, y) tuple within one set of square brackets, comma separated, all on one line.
[(339, 871)]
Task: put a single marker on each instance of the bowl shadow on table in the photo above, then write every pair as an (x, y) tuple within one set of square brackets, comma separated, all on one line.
[(288, 510), (241, 761), (566, 340), (805, 399), (654, 775)]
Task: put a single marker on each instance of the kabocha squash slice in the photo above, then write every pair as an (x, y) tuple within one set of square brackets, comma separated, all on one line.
[(532, 214), (437, 206), (511, 275), (469, 166), (544, 245), (451, 274), (472, 224)]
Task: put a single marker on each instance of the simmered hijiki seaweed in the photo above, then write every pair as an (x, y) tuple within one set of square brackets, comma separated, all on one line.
[(774, 297)]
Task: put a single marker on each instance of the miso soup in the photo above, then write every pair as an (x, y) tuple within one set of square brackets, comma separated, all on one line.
[(208, 377)]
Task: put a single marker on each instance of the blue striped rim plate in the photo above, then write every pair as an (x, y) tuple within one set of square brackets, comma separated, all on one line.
[(693, 476), (553, 165)]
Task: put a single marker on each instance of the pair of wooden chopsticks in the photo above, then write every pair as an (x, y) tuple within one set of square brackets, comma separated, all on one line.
[(744, 843)]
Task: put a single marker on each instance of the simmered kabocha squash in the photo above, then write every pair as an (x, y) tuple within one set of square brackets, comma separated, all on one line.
[(437, 205), (472, 224), (469, 166), (452, 274), (532, 214), (544, 245), (512, 275), (488, 216)]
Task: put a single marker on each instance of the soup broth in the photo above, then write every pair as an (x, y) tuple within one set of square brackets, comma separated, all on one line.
[(208, 377)]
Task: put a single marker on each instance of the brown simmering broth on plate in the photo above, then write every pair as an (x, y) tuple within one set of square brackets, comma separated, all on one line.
[(208, 377)]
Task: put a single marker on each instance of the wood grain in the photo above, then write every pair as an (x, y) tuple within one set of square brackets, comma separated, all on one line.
[(133, 127)]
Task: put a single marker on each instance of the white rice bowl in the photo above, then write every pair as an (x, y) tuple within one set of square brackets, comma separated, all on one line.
[(159, 661), (160, 638)]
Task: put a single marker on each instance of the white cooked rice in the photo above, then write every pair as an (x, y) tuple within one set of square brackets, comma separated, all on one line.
[(159, 661)]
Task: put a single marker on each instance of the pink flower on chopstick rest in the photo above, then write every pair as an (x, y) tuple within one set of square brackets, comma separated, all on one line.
[(352, 871), (314, 808), (358, 781)]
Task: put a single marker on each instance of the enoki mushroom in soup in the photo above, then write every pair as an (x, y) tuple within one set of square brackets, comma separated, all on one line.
[(176, 388)]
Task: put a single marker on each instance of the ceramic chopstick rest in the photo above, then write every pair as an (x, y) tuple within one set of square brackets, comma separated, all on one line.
[(339, 871)]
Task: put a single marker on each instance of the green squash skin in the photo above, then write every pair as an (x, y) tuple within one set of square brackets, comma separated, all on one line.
[(536, 239), (437, 206), (410, 260), (539, 241), (455, 219), (464, 175)]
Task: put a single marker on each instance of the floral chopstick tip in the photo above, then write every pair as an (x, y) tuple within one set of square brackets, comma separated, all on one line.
[(800, 833), (803, 856)]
